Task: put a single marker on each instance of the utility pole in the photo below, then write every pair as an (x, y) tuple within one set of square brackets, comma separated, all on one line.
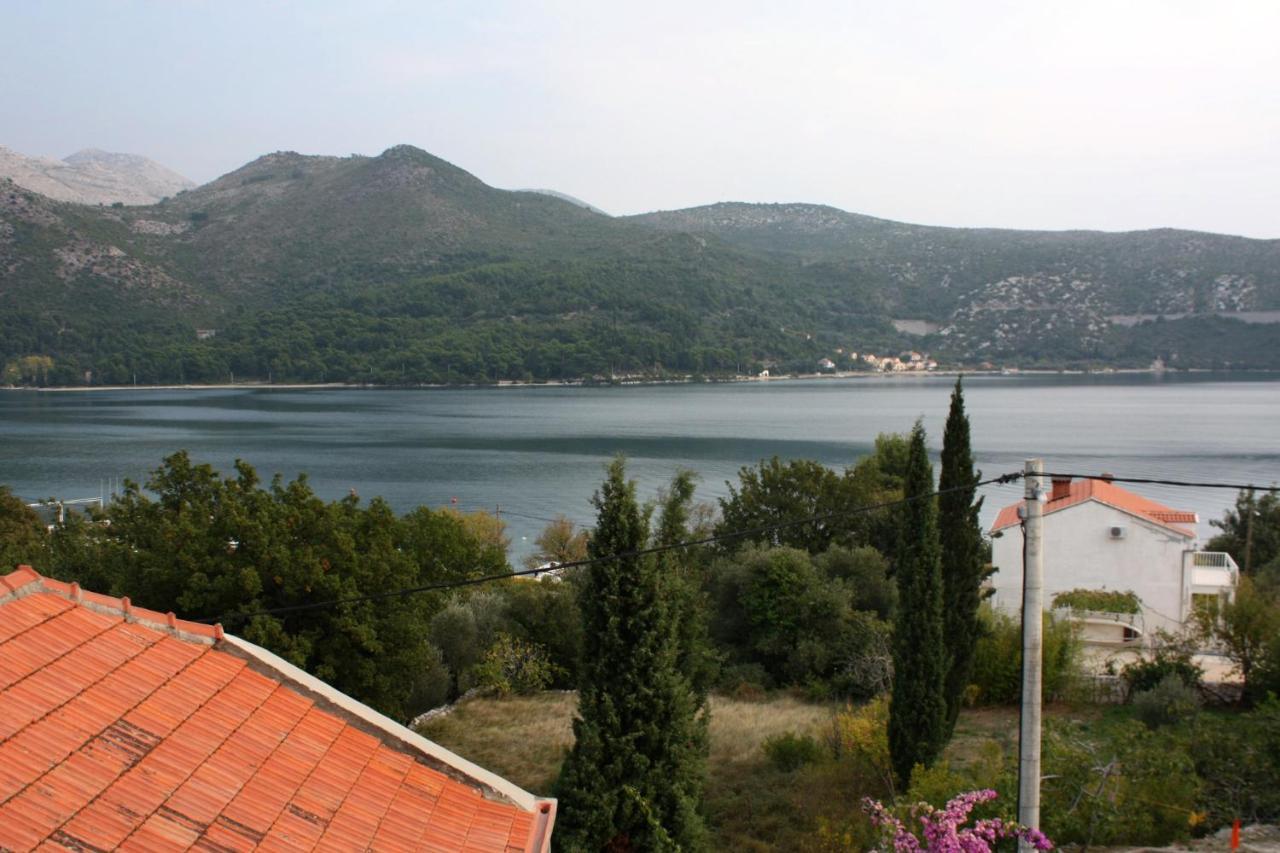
[(1032, 648), (1248, 538)]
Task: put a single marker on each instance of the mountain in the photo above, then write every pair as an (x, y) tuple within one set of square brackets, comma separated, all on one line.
[(403, 268), (566, 197), (92, 176), (1004, 293)]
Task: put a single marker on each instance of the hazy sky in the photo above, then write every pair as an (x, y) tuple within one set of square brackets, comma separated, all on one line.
[(1115, 115)]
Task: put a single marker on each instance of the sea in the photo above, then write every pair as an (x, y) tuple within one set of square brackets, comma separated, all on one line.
[(531, 453)]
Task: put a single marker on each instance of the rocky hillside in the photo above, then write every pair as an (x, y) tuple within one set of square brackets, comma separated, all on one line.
[(404, 268), (1001, 293), (92, 176)]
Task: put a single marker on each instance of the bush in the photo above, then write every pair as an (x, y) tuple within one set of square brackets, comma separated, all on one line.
[(431, 686), (1238, 760), (1099, 600), (997, 659), (1171, 701), (860, 738), (512, 665), (789, 751), (1115, 783), (1171, 654), (750, 677)]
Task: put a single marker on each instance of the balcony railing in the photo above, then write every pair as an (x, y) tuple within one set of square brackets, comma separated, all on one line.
[(1211, 569)]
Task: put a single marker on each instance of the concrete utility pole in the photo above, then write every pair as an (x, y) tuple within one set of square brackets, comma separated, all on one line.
[(1032, 648)]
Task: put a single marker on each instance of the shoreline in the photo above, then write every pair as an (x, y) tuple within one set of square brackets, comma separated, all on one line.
[(620, 381)]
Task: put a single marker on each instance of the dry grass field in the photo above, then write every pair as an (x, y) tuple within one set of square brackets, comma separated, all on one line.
[(524, 738)]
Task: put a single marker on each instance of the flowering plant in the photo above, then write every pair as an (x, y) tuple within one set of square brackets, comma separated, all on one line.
[(941, 828)]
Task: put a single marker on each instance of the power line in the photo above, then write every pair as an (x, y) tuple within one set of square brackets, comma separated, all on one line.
[(625, 555), (1003, 479), (1109, 478)]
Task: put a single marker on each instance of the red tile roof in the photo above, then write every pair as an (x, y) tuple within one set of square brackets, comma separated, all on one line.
[(1106, 492), (125, 727)]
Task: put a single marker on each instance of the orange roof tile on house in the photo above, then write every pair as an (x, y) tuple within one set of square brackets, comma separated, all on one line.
[(123, 727), (1106, 492)]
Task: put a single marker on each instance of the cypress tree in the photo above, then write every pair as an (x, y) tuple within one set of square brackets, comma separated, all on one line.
[(918, 706), (633, 778), (963, 555)]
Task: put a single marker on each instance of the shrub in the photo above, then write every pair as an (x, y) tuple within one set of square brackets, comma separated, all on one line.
[(1171, 654), (997, 659), (1171, 701), (860, 738), (789, 751), (512, 665), (1100, 600), (431, 685), (1238, 760), (943, 829), (1116, 783), (747, 678)]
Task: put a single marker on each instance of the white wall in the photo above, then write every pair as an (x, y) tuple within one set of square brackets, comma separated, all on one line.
[(1080, 553)]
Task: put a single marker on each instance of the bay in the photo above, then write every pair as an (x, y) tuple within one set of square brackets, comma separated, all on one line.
[(534, 452)]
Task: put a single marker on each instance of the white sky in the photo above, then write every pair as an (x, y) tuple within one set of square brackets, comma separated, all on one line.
[(1114, 115)]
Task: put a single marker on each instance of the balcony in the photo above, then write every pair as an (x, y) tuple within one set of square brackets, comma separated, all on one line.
[(1209, 571), (1104, 627)]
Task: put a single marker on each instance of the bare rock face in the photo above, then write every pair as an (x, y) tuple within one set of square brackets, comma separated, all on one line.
[(93, 177)]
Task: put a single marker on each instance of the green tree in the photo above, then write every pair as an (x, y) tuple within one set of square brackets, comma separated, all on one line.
[(23, 538), (1251, 531), (963, 555), (633, 779), (683, 574), (559, 542), (918, 707), (1247, 627), (226, 547), (775, 493)]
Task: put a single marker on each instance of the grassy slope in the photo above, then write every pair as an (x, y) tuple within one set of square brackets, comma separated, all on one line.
[(751, 805)]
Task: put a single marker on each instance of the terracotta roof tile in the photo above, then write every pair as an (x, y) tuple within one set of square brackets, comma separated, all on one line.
[(121, 726), (1108, 493)]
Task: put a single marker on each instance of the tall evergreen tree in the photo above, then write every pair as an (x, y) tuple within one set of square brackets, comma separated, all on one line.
[(918, 706), (963, 554), (633, 778)]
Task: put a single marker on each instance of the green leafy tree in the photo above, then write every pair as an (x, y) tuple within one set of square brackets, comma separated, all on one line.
[(782, 497), (208, 546), (918, 707), (559, 542), (1250, 531), (963, 554), (1247, 627), (784, 493), (683, 573), (633, 779), (23, 538)]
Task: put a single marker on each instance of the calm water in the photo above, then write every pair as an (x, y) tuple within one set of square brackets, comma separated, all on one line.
[(536, 452)]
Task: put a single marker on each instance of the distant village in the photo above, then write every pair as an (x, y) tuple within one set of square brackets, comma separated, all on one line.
[(906, 362)]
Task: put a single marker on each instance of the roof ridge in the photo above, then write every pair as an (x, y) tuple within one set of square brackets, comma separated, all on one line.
[(1108, 494), (24, 581)]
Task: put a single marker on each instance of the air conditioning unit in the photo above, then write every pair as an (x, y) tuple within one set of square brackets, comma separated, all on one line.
[(1117, 532)]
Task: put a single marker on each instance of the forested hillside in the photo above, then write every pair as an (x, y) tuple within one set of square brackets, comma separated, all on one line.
[(403, 268)]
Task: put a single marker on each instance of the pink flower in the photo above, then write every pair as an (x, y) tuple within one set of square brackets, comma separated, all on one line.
[(943, 829)]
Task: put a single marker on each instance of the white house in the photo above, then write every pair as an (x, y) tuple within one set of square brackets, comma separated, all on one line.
[(1098, 536)]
